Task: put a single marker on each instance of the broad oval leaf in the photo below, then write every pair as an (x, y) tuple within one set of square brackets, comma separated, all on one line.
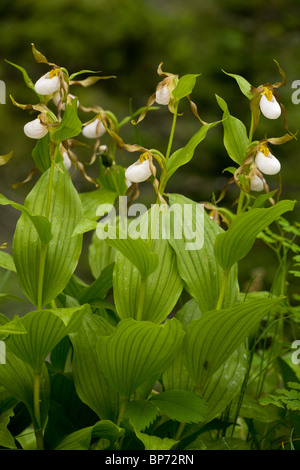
[(62, 252), (185, 86), (181, 405), (199, 268), (45, 329), (234, 244), (91, 384), (137, 351), (211, 339)]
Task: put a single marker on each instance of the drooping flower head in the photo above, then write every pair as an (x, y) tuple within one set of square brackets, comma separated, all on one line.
[(94, 129), (266, 162), (48, 83), (36, 129), (140, 170)]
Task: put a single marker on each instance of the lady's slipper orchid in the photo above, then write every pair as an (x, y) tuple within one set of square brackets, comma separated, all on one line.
[(35, 129), (94, 129), (57, 98), (269, 106), (163, 95), (266, 162), (66, 160), (48, 83), (139, 171), (256, 183)]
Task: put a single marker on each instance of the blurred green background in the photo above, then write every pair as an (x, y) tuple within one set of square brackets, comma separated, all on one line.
[(129, 38)]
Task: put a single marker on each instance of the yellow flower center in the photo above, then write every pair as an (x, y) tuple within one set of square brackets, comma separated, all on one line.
[(144, 157), (268, 93), (54, 73), (264, 149)]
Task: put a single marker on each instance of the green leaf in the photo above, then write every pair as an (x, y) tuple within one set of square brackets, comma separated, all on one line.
[(185, 154), (198, 267), (141, 413), (92, 199), (70, 125), (81, 439), (243, 84), (41, 153), (235, 134), (234, 244), (45, 329), (100, 255), (154, 442), (7, 261), (137, 251), (27, 80), (87, 368), (18, 377), (211, 339), (5, 158), (162, 288), (6, 438), (13, 327), (41, 224), (99, 288), (62, 252), (137, 351), (112, 178), (185, 86), (181, 405)]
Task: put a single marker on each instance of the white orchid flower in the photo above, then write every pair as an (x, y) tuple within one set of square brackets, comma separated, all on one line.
[(163, 95), (94, 129), (139, 171), (269, 106), (35, 129), (266, 162), (66, 160), (256, 183), (48, 83)]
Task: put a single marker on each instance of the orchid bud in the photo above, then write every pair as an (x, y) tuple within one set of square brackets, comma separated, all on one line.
[(162, 95), (269, 106), (94, 129), (35, 129), (267, 163), (256, 183), (48, 83), (138, 171)]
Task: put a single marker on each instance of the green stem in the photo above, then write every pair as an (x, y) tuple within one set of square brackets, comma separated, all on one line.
[(179, 431), (123, 404), (37, 412), (222, 290), (172, 131), (240, 203)]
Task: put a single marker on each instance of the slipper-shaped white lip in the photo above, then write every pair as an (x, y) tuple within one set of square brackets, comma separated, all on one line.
[(46, 85), (94, 129), (256, 183), (162, 96), (270, 109), (35, 129), (138, 172), (66, 160), (269, 165)]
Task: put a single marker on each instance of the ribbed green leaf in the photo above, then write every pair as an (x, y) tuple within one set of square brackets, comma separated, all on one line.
[(41, 224), (62, 252), (243, 84), (137, 251), (181, 405), (91, 385), (100, 255), (137, 351), (41, 153), (199, 268), (18, 377), (92, 199), (81, 440), (235, 134), (234, 244), (211, 339), (161, 290), (15, 326), (45, 329)]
